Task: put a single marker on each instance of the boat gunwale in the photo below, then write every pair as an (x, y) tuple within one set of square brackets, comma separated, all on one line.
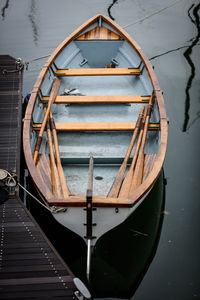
[(98, 200)]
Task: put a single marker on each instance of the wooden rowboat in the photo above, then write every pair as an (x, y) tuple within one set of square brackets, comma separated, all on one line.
[(95, 128)]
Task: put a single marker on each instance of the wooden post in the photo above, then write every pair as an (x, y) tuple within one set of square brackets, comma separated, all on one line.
[(53, 94)]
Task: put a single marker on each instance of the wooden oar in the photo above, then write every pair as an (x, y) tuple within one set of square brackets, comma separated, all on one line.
[(139, 168), (61, 174), (56, 186), (126, 185), (114, 191), (53, 94)]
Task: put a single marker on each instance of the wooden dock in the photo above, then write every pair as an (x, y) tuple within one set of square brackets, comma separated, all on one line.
[(10, 114), (30, 267)]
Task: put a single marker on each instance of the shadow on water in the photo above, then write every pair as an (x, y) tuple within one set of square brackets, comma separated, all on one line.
[(33, 10), (109, 9), (194, 17), (3, 10)]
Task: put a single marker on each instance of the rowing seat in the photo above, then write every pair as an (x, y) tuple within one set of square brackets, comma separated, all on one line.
[(98, 72), (99, 99), (101, 126)]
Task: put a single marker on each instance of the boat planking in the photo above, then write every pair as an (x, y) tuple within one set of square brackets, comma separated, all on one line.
[(96, 96)]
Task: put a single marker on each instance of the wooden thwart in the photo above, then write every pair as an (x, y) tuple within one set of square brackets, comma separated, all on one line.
[(104, 126), (98, 72), (99, 99)]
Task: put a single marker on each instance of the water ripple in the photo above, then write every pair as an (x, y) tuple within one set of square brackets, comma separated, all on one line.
[(33, 22), (4, 9), (109, 9), (194, 17)]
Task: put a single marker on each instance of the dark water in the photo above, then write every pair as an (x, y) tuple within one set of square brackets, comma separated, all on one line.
[(33, 28)]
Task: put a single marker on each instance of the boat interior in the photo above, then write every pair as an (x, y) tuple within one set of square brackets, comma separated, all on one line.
[(104, 86)]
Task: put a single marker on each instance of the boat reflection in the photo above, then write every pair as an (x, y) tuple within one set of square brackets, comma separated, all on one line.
[(194, 17), (31, 16), (122, 256), (3, 10)]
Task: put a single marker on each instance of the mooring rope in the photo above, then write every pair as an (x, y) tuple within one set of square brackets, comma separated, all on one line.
[(27, 62), (152, 14), (4, 174)]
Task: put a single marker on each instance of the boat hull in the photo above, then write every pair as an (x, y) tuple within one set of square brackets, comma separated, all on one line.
[(104, 219), (104, 82)]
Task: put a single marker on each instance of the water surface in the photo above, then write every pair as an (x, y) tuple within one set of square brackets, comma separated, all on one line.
[(33, 28)]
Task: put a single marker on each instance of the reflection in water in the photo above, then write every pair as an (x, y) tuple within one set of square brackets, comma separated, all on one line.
[(109, 9), (167, 52), (195, 119), (4, 8), (122, 256), (33, 22), (194, 19)]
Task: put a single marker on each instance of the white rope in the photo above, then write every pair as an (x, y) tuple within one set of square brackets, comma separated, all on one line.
[(27, 62), (52, 210), (152, 14), (15, 183), (45, 206)]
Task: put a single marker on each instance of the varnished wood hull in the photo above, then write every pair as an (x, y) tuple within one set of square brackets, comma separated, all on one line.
[(105, 81)]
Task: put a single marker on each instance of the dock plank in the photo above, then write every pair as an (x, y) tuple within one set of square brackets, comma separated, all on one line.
[(10, 113), (35, 263)]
